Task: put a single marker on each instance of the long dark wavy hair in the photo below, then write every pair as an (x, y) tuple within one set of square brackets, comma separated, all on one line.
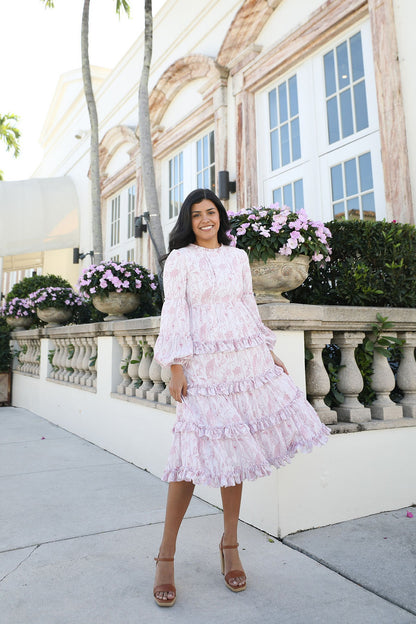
[(182, 234)]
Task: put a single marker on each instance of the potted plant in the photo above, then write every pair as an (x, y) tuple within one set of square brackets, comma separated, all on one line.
[(5, 362), (280, 245), (55, 305), (116, 288), (18, 313)]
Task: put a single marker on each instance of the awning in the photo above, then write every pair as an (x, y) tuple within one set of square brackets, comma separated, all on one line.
[(38, 214)]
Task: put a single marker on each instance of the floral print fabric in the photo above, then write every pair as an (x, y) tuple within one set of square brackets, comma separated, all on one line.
[(242, 414)]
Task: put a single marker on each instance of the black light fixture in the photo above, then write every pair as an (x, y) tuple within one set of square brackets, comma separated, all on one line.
[(76, 256), (225, 187), (140, 225)]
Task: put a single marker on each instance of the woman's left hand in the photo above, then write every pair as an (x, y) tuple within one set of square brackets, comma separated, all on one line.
[(279, 362)]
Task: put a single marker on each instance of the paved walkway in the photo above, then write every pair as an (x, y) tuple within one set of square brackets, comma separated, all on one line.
[(79, 528)]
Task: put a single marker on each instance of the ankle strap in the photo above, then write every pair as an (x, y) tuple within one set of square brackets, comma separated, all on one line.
[(224, 547), (164, 559)]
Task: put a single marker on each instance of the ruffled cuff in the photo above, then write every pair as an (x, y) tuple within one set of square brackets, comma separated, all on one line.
[(173, 349)]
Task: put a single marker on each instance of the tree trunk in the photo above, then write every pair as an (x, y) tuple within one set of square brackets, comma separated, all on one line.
[(97, 236), (146, 146)]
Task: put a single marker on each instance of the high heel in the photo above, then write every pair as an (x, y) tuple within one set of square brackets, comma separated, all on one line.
[(232, 573), (167, 587)]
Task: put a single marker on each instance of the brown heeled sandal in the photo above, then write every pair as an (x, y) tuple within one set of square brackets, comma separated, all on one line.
[(167, 587), (232, 573)]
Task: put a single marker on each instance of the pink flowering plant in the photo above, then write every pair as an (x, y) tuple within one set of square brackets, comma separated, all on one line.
[(18, 307), (266, 231), (55, 297), (110, 276)]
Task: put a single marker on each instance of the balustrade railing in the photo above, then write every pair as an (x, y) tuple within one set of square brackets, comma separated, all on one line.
[(73, 355)]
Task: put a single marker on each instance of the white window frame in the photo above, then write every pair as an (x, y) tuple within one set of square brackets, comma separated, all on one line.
[(126, 244)]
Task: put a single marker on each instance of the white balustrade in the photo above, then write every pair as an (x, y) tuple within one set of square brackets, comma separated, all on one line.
[(144, 367), (383, 382), (124, 364), (317, 380), (406, 375), (133, 367)]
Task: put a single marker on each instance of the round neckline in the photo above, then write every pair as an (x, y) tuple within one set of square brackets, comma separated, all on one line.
[(206, 248)]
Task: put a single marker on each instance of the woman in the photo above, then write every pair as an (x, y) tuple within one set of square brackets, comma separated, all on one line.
[(238, 411)]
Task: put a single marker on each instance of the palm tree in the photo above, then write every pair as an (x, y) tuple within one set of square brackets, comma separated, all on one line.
[(146, 145), (9, 134)]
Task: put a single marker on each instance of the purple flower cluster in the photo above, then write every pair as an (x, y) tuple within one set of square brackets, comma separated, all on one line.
[(55, 297), (18, 308), (100, 279), (263, 232)]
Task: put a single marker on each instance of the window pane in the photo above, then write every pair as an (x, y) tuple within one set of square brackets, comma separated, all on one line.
[(346, 113), (329, 66), (211, 148), (277, 196), (272, 109), (205, 157), (369, 210), (287, 196), (170, 173), (298, 188), (283, 103), (294, 125), (337, 183), (176, 170), (356, 57), (199, 155), (199, 180), (351, 182), (181, 167), (339, 211), (366, 174), (342, 66), (284, 137), (353, 208), (293, 96), (333, 124), (206, 178), (274, 141), (360, 104)]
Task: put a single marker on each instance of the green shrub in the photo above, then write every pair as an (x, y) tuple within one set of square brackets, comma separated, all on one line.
[(5, 353), (372, 264), (30, 284)]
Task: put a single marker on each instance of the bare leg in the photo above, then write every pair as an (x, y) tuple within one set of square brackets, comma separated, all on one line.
[(231, 501), (179, 497)]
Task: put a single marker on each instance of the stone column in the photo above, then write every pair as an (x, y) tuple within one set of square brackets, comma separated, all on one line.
[(383, 382), (154, 374), (133, 369), (406, 375), (125, 358), (317, 380), (350, 379), (147, 356)]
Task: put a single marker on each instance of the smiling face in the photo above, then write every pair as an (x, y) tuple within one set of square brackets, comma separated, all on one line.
[(205, 223)]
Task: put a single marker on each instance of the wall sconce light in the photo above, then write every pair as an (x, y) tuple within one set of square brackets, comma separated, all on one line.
[(225, 187), (140, 226), (76, 256)]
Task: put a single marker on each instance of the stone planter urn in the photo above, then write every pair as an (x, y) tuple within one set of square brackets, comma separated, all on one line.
[(53, 317), (116, 305), (17, 323), (278, 275)]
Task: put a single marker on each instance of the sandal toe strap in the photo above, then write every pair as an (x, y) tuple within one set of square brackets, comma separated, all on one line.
[(232, 574), (165, 588)]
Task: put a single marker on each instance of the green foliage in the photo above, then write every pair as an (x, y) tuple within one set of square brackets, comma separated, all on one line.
[(5, 351), (30, 284), (372, 264)]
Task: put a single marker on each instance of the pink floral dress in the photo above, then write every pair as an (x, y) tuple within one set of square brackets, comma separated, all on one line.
[(242, 413)]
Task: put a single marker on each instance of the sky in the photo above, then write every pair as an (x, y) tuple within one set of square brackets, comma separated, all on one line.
[(37, 45)]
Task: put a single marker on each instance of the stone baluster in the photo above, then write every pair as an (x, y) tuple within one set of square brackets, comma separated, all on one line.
[(154, 374), (73, 363), (67, 346), (133, 368), (406, 375), (125, 358), (53, 361), (86, 374), (80, 360), (37, 358), (59, 358), (29, 357), (144, 367), (383, 382), (25, 358), (92, 380), (164, 396), (317, 380), (350, 379)]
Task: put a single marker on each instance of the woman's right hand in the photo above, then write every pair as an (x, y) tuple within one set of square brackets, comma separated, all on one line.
[(177, 385)]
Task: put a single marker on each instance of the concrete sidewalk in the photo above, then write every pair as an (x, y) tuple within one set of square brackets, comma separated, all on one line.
[(79, 529)]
